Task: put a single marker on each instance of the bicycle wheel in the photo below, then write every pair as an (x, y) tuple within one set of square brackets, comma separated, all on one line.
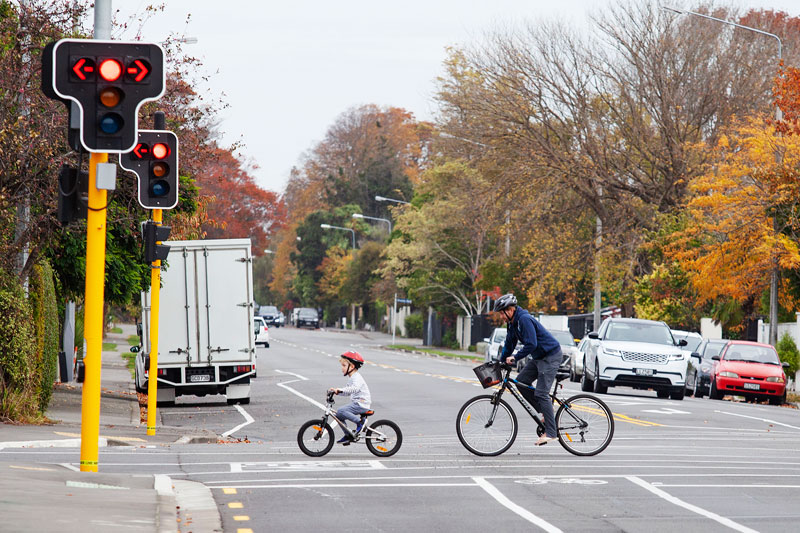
[(585, 425), (314, 438), (480, 433), (384, 438)]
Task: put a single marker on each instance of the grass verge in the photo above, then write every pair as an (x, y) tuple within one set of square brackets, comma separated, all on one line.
[(434, 352), (109, 346)]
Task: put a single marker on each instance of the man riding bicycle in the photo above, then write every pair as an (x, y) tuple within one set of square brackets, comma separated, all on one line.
[(543, 366)]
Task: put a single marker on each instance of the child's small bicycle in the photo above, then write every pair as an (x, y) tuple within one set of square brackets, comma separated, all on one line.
[(315, 438)]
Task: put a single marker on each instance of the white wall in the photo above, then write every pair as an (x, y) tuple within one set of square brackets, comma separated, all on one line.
[(710, 330), (556, 322)]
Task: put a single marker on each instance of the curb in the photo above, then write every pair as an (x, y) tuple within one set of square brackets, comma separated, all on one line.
[(119, 395), (470, 358)]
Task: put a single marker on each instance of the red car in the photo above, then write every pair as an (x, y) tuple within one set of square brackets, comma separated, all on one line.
[(749, 369)]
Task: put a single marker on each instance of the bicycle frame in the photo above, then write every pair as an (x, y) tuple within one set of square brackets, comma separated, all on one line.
[(521, 399)]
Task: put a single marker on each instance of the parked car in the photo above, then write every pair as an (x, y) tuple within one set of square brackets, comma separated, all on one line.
[(494, 344), (749, 369), (568, 348), (271, 315), (692, 338), (635, 353), (261, 331), (576, 366), (307, 316), (701, 366)]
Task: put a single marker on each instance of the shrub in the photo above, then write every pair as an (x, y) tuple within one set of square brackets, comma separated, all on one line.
[(788, 352), (46, 326), (17, 351), (414, 326)]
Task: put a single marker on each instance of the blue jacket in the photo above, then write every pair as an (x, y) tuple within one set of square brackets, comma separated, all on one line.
[(535, 339)]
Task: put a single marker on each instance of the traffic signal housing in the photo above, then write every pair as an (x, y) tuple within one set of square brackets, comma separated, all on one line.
[(109, 80), (153, 234), (155, 160)]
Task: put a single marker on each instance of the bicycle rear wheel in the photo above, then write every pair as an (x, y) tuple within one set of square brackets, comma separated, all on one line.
[(480, 433), (315, 438), (585, 425), (384, 438)]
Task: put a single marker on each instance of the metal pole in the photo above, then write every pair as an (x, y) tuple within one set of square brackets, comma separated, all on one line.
[(95, 285), (394, 317), (155, 303)]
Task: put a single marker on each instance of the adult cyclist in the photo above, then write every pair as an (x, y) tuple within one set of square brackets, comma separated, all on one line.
[(543, 365)]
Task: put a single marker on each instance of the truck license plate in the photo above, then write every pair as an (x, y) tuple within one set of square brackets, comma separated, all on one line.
[(752, 386), (199, 378), (644, 371)]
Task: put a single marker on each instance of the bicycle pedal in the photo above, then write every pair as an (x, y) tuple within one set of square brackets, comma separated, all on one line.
[(346, 443)]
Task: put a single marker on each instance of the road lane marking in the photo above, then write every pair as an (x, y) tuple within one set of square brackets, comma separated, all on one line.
[(695, 509), (349, 485), (305, 466), (767, 420), (235, 505), (228, 490), (247, 420), (298, 376), (666, 411), (241, 518), (284, 385), (524, 513)]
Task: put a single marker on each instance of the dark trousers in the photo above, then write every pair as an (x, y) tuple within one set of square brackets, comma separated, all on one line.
[(544, 372)]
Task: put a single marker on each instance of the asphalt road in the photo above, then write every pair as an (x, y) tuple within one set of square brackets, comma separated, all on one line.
[(691, 465)]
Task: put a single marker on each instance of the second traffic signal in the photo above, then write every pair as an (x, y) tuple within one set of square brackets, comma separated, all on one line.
[(153, 234), (155, 160)]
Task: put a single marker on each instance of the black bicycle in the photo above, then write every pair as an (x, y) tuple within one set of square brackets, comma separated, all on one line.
[(315, 438), (487, 426)]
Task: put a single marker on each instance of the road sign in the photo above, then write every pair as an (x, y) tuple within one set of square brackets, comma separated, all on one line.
[(404, 301)]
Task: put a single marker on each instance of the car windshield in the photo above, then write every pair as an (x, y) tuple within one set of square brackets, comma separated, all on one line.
[(713, 348), (639, 332), (500, 336), (564, 337), (269, 309), (752, 354), (307, 313)]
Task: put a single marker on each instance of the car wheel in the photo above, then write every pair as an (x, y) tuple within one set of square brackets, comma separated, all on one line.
[(691, 391), (662, 393), (677, 394), (778, 400), (598, 387), (714, 394), (698, 390), (586, 385)]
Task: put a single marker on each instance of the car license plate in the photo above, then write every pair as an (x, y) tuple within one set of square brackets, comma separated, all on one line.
[(644, 371), (199, 378), (752, 386)]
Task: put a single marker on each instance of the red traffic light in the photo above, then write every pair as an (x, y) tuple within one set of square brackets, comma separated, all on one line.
[(110, 69), (160, 150)]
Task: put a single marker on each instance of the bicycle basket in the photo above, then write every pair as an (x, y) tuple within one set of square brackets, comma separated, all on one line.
[(489, 374)]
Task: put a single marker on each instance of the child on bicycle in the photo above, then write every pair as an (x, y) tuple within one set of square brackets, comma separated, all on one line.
[(358, 391)]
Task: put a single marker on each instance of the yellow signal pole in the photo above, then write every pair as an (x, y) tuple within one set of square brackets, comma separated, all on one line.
[(155, 301), (93, 316)]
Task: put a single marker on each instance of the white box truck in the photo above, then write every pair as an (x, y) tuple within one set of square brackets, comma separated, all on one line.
[(206, 337)]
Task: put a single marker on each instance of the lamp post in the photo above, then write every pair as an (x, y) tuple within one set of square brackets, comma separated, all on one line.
[(384, 199), (773, 285), (359, 215), (328, 226)]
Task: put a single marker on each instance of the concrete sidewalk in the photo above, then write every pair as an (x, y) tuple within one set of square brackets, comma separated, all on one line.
[(47, 497)]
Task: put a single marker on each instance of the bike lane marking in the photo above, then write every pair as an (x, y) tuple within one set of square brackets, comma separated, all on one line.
[(693, 508), (247, 420), (508, 504), (284, 385)]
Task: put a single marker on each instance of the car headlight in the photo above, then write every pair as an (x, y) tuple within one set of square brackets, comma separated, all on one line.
[(775, 379), (612, 351), (729, 374)]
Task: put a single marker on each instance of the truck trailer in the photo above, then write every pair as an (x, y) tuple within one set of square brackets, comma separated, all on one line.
[(206, 337)]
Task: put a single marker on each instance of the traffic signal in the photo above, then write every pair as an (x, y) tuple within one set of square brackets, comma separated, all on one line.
[(73, 191), (109, 81), (155, 160), (153, 234)]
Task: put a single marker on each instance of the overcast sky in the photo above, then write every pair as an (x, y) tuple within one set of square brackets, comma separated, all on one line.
[(287, 69)]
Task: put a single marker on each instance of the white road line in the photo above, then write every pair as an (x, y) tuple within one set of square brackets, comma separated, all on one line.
[(680, 503), (524, 513), (736, 486), (346, 485), (247, 420), (284, 385), (758, 418)]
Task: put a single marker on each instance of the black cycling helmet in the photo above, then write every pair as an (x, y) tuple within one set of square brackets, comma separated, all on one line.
[(504, 302)]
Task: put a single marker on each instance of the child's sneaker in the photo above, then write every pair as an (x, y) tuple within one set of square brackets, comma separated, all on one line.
[(345, 440), (359, 426)]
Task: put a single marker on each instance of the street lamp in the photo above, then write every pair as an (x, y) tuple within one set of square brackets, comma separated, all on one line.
[(328, 226), (773, 286), (359, 215), (384, 199), (269, 252)]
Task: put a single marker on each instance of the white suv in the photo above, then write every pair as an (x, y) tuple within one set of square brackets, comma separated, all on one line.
[(635, 353)]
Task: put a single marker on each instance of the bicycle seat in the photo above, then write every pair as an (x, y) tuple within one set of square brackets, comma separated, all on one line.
[(368, 413), (561, 376)]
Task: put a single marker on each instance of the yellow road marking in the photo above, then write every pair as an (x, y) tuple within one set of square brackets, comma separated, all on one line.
[(241, 518), (31, 468), (235, 505), (244, 530), (227, 490)]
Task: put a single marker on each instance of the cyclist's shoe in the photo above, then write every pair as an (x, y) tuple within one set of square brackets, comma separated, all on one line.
[(346, 440), (359, 426), (544, 439)]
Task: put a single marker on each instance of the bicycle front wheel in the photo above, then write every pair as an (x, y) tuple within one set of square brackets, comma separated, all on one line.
[(585, 425), (384, 438), (484, 428), (315, 438)]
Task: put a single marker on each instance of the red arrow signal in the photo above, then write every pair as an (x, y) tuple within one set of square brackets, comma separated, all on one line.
[(139, 69), (82, 67), (141, 150)]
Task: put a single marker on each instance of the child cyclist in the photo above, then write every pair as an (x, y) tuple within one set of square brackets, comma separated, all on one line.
[(358, 391)]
